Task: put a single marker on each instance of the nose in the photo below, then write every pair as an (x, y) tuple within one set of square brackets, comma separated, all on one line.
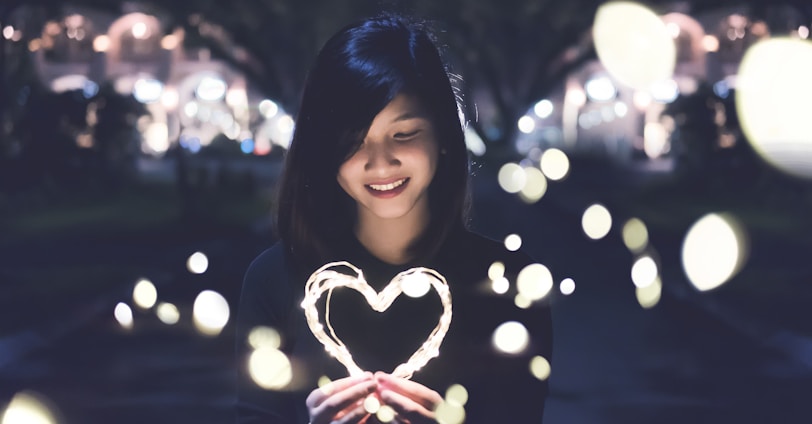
[(380, 157)]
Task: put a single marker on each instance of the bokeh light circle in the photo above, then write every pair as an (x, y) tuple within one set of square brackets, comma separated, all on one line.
[(197, 263), (596, 221), (145, 294), (270, 368), (633, 44), (511, 337), (211, 312), (635, 235), (555, 164), (540, 367), (772, 100), (511, 177), (644, 271), (513, 242), (535, 185), (534, 281), (713, 250)]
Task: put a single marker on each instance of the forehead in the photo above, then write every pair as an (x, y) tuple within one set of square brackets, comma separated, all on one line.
[(402, 107)]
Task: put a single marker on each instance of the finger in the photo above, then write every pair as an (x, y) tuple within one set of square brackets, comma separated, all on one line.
[(419, 393), (318, 396), (353, 416), (405, 407), (340, 400)]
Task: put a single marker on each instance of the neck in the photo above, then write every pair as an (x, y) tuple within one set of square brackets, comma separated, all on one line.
[(389, 239)]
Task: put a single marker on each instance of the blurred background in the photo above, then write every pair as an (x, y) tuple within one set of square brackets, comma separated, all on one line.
[(655, 158)]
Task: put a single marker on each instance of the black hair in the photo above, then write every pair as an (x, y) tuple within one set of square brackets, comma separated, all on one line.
[(356, 74)]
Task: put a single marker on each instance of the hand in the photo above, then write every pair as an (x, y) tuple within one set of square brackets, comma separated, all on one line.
[(413, 402), (341, 401)]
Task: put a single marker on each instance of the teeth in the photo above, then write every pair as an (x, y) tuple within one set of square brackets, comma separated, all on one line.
[(387, 187)]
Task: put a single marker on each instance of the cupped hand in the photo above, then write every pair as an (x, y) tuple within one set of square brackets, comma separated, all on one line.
[(341, 401), (413, 402)]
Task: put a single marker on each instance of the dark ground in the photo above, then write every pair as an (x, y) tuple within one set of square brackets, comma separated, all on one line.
[(739, 354)]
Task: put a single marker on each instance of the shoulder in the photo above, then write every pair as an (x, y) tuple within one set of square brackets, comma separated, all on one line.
[(266, 268)]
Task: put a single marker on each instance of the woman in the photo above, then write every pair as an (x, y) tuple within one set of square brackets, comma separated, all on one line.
[(377, 175)]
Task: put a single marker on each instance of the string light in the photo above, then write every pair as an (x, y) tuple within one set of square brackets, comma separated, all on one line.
[(325, 279)]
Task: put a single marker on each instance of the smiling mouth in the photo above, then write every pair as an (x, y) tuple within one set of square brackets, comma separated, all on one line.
[(388, 187)]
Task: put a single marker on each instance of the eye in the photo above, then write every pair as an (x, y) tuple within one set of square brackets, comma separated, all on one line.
[(406, 135)]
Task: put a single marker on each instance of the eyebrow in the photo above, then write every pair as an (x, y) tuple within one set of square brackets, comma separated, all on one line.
[(410, 115)]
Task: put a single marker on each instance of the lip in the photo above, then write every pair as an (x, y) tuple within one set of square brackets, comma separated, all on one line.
[(388, 193)]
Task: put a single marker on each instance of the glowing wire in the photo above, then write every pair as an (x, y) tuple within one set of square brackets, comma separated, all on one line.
[(325, 279)]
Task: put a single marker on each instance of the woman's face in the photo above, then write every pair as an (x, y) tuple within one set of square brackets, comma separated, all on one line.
[(389, 174)]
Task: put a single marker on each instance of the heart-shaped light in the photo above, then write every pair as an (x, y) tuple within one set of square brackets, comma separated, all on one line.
[(325, 279)]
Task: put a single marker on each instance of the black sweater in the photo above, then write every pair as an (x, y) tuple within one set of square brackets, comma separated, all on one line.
[(500, 386)]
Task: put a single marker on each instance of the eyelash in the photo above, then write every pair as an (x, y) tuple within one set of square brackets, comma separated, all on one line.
[(406, 136)]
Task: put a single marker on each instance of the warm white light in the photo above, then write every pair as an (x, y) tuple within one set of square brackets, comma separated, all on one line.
[(555, 164), (167, 313), (270, 368), (262, 336), (621, 109), (156, 137), (140, 30), (526, 124), (600, 89), (145, 294), (8, 32), (635, 235), (385, 414), (534, 281), (268, 108), (575, 96), (511, 177), (326, 278), (522, 302), (543, 108), (567, 286), (540, 367), (124, 315), (169, 98), (644, 271), (457, 394), (665, 91), (210, 312), (713, 251), (649, 296), (641, 100), (197, 263), (803, 32), (655, 139), (28, 408), (513, 242), (535, 185), (773, 89), (633, 44), (170, 42), (596, 221), (147, 90), (211, 89), (500, 285), (371, 404), (416, 285), (449, 413), (710, 43), (496, 270), (101, 43), (511, 337)]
